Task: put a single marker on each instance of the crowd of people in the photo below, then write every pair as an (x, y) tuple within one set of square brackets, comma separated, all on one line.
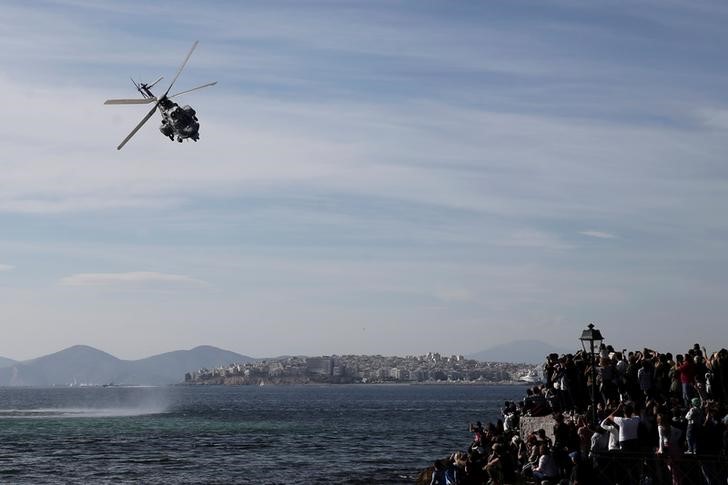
[(618, 417)]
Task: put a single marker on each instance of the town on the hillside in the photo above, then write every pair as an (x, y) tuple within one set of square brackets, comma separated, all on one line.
[(349, 369)]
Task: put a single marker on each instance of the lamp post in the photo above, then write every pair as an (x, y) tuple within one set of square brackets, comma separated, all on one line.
[(593, 336)]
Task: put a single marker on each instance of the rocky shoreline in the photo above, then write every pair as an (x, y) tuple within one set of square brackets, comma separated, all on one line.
[(605, 417)]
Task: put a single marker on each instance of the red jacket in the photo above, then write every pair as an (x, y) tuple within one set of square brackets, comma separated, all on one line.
[(687, 371)]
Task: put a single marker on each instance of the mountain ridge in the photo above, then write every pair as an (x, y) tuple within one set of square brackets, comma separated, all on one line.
[(527, 351), (83, 364)]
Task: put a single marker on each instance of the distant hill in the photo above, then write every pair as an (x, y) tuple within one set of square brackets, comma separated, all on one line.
[(167, 366), (4, 362), (517, 351), (79, 363), (82, 364)]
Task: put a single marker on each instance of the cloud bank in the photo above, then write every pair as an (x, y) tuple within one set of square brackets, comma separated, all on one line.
[(598, 234), (130, 279)]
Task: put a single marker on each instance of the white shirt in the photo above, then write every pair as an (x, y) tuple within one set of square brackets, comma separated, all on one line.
[(613, 435), (547, 466), (694, 415), (600, 441), (669, 439), (627, 427)]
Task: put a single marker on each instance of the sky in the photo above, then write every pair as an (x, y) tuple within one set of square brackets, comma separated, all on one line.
[(371, 177)]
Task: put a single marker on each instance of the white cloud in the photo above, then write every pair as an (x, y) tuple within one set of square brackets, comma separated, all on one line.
[(529, 238), (5, 267), (598, 234), (130, 279)]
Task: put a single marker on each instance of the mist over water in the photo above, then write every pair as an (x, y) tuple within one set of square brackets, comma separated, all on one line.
[(98, 402), (273, 434), (74, 413)]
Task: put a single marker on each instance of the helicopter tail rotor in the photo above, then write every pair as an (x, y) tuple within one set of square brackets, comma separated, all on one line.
[(138, 87)]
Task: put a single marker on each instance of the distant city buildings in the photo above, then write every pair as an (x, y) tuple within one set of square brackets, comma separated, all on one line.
[(431, 367)]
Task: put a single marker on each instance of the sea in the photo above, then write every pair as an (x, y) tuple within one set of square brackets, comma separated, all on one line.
[(301, 434)]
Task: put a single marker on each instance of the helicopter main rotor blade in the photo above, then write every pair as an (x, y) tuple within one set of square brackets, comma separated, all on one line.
[(131, 101), (193, 89), (179, 71), (155, 82), (141, 123)]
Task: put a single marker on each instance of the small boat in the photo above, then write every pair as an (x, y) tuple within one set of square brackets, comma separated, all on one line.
[(531, 377)]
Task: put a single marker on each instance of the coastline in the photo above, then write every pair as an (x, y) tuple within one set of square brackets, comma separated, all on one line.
[(263, 383)]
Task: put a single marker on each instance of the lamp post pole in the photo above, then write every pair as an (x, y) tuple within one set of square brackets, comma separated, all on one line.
[(594, 380), (592, 335)]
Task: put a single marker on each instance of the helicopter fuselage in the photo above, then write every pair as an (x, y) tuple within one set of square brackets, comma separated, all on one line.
[(178, 122)]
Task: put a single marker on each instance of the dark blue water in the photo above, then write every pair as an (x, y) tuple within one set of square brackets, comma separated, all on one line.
[(358, 434)]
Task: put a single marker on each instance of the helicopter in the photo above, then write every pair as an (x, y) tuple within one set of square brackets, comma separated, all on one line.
[(178, 122)]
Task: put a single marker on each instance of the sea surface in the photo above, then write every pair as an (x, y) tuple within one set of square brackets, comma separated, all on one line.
[(337, 434)]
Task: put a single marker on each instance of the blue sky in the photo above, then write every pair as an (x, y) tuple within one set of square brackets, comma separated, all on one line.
[(372, 177)]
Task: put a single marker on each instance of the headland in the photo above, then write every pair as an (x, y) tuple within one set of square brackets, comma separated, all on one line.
[(364, 369)]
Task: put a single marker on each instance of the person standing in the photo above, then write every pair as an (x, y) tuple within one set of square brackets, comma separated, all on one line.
[(686, 369), (613, 430), (628, 427), (628, 439), (694, 418), (669, 445)]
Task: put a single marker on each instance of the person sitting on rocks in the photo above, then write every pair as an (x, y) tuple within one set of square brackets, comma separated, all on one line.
[(546, 468), (539, 404), (543, 439), (581, 471)]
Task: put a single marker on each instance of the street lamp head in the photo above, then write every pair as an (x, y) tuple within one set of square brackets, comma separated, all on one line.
[(591, 335)]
